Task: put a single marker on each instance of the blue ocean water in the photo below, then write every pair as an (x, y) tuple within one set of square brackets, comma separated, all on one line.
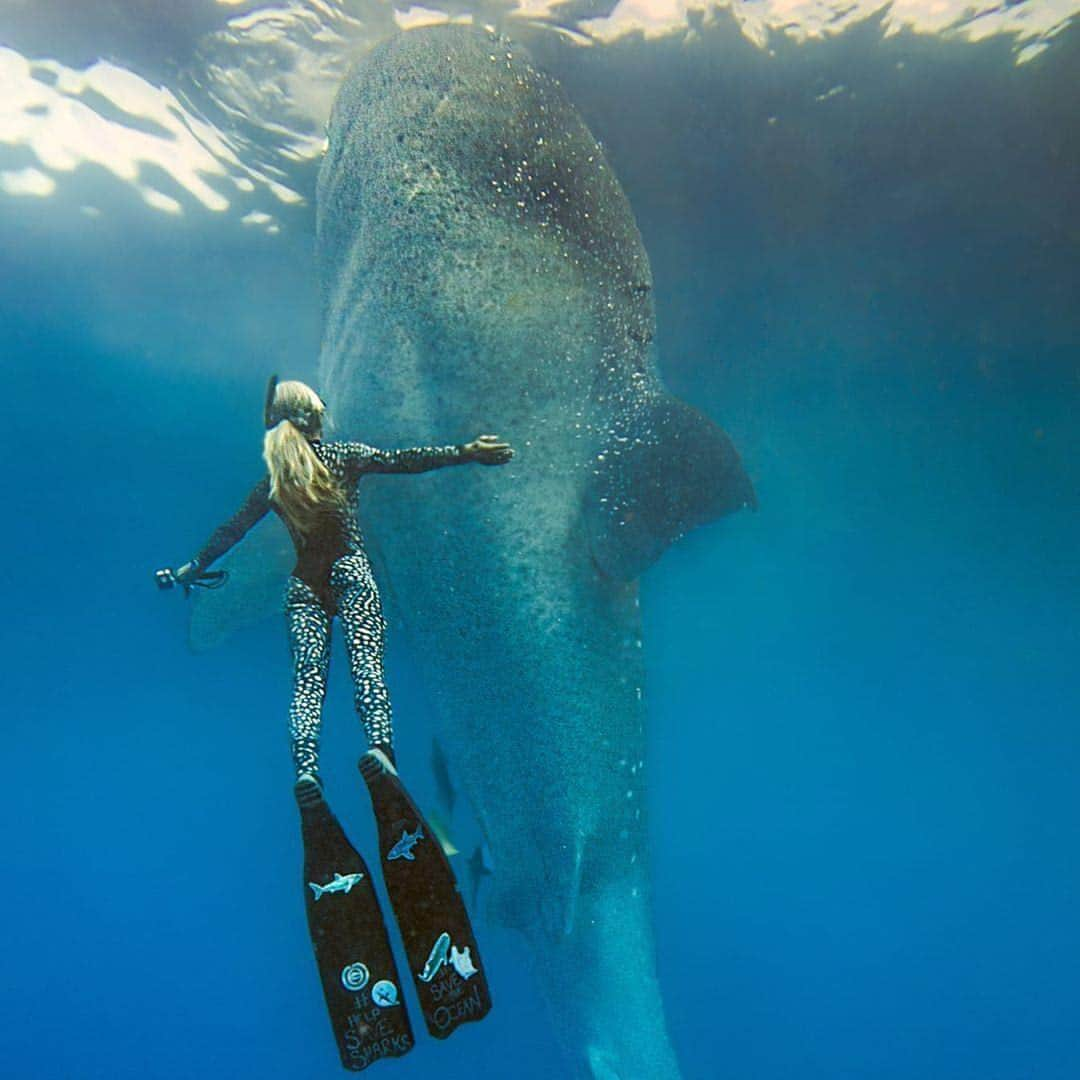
[(863, 698)]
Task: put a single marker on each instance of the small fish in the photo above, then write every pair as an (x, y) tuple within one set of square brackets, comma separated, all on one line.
[(479, 868), (403, 848), (441, 833), (461, 960), (436, 958), (443, 783), (341, 883)]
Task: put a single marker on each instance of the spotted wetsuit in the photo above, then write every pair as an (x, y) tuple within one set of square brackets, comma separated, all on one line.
[(332, 577)]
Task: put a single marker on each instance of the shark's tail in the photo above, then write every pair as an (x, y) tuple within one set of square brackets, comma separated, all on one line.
[(602, 975), (318, 890)]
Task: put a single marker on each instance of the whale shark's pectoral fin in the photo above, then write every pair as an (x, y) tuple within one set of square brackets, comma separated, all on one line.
[(258, 569), (666, 470)]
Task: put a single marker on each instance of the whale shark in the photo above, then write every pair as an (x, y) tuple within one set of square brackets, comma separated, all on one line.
[(481, 270)]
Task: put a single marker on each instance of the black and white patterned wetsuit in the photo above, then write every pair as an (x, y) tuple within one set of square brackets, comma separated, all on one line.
[(332, 577)]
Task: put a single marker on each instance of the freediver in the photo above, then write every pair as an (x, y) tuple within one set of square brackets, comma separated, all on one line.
[(312, 486)]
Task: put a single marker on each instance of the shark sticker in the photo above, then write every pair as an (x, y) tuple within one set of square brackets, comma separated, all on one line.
[(403, 849), (341, 883)]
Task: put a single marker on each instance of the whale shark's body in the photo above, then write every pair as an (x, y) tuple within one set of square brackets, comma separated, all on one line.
[(482, 271)]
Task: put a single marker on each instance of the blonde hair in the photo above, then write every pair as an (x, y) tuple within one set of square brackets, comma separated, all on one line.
[(300, 484)]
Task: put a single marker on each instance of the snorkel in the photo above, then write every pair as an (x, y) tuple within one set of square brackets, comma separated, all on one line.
[(268, 407)]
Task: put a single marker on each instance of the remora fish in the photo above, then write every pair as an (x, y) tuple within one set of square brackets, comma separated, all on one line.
[(482, 271), (341, 883)]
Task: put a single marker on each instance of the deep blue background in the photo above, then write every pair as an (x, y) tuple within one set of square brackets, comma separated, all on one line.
[(864, 698)]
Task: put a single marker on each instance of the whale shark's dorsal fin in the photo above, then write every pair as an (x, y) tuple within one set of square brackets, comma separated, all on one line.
[(667, 469), (258, 570)]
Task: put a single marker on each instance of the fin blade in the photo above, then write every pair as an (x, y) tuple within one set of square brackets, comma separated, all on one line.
[(428, 907), (352, 947)]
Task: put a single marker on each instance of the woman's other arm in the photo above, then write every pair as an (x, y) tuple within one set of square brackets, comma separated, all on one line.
[(255, 508), (485, 450)]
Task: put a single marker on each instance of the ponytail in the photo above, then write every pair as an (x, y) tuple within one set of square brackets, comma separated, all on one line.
[(300, 484)]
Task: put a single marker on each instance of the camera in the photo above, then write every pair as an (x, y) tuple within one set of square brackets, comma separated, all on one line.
[(165, 579)]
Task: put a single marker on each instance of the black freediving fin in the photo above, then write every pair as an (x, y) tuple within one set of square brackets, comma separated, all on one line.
[(443, 955), (352, 948)]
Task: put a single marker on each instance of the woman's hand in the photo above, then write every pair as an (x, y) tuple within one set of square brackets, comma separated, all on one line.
[(186, 573), (489, 450)]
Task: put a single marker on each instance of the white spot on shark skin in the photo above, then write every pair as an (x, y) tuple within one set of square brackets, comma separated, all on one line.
[(834, 91)]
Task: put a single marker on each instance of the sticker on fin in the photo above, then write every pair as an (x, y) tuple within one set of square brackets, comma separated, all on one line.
[(436, 958)]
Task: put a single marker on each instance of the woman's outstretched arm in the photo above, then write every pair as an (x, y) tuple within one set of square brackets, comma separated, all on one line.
[(255, 508), (486, 450)]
